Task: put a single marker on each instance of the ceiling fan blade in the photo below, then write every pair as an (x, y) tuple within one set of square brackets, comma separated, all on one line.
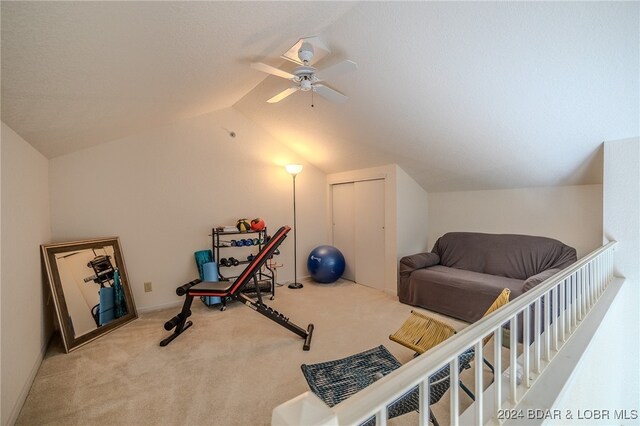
[(271, 70), (280, 96), (337, 69), (329, 93)]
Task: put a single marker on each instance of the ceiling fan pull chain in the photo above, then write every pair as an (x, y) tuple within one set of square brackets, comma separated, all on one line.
[(312, 97)]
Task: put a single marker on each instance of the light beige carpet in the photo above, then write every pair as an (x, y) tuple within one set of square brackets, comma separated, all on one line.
[(229, 368)]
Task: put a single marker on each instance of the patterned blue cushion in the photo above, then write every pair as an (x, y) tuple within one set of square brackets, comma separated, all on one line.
[(335, 381)]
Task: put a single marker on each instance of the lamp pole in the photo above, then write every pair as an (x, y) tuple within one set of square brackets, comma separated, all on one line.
[(293, 170)]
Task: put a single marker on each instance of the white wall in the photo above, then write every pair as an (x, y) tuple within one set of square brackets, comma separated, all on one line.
[(26, 318), (162, 191), (622, 204), (412, 215), (571, 214), (608, 376)]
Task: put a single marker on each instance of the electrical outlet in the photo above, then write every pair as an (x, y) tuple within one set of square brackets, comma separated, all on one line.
[(148, 287)]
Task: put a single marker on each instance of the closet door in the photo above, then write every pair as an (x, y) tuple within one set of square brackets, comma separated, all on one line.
[(369, 233), (343, 229), (358, 230)]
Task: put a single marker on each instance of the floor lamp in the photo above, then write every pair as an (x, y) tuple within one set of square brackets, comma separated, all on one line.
[(293, 170)]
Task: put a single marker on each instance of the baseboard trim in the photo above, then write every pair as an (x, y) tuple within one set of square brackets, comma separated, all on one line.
[(392, 293), (147, 309), (26, 387)]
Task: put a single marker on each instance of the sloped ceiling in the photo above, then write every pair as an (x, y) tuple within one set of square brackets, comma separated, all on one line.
[(76, 74), (460, 95)]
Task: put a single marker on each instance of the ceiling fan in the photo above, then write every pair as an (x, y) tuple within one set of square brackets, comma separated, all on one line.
[(307, 78)]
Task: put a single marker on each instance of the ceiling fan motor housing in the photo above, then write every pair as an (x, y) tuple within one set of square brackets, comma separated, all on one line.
[(305, 53)]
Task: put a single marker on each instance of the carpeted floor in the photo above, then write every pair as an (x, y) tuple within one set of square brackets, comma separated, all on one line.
[(229, 368)]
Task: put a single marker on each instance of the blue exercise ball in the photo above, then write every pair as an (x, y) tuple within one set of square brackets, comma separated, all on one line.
[(325, 264)]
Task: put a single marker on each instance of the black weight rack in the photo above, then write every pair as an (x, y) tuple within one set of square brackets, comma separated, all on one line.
[(222, 240)]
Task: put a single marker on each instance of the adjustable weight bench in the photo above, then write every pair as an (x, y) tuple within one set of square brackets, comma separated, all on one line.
[(233, 290)]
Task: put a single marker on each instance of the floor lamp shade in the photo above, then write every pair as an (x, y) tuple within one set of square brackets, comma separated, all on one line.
[(293, 170)]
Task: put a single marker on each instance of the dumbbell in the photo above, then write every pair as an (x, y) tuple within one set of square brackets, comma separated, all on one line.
[(224, 262), (234, 261), (275, 253)]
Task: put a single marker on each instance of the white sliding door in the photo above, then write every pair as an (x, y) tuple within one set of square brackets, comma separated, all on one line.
[(343, 229), (358, 230), (369, 230)]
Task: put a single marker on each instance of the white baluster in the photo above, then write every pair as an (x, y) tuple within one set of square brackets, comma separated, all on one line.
[(547, 326), (454, 391), (425, 399), (479, 365), (497, 366), (554, 315), (536, 336), (574, 301), (563, 308), (526, 342), (513, 362)]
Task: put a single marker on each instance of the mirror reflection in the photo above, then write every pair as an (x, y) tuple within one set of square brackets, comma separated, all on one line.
[(91, 290)]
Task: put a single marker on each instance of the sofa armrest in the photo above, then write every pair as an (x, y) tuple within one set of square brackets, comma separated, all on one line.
[(408, 264), (534, 280)]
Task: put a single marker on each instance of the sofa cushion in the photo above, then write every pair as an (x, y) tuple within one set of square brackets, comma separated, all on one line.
[(505, 255), (459, 293)]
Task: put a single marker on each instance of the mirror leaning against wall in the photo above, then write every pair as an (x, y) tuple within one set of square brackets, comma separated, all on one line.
[(90, 288)]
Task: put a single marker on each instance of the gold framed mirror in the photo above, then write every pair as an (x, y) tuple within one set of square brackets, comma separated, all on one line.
[(90, 288)]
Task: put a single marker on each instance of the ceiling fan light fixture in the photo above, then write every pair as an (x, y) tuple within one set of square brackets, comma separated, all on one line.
[(305, 85)]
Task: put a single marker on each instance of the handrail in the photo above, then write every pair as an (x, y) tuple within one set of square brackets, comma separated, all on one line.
[(363, 404), (374, 398)]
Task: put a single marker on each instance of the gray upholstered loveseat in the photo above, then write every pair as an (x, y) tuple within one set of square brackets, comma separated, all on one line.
[(466, 271)]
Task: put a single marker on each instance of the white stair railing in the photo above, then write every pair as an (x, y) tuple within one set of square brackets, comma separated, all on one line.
[(546, 315)]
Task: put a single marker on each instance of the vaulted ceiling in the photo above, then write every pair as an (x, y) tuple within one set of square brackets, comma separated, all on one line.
[(460, 95)]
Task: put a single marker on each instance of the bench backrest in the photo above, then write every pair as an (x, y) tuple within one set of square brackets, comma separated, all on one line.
[(260, 259)]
